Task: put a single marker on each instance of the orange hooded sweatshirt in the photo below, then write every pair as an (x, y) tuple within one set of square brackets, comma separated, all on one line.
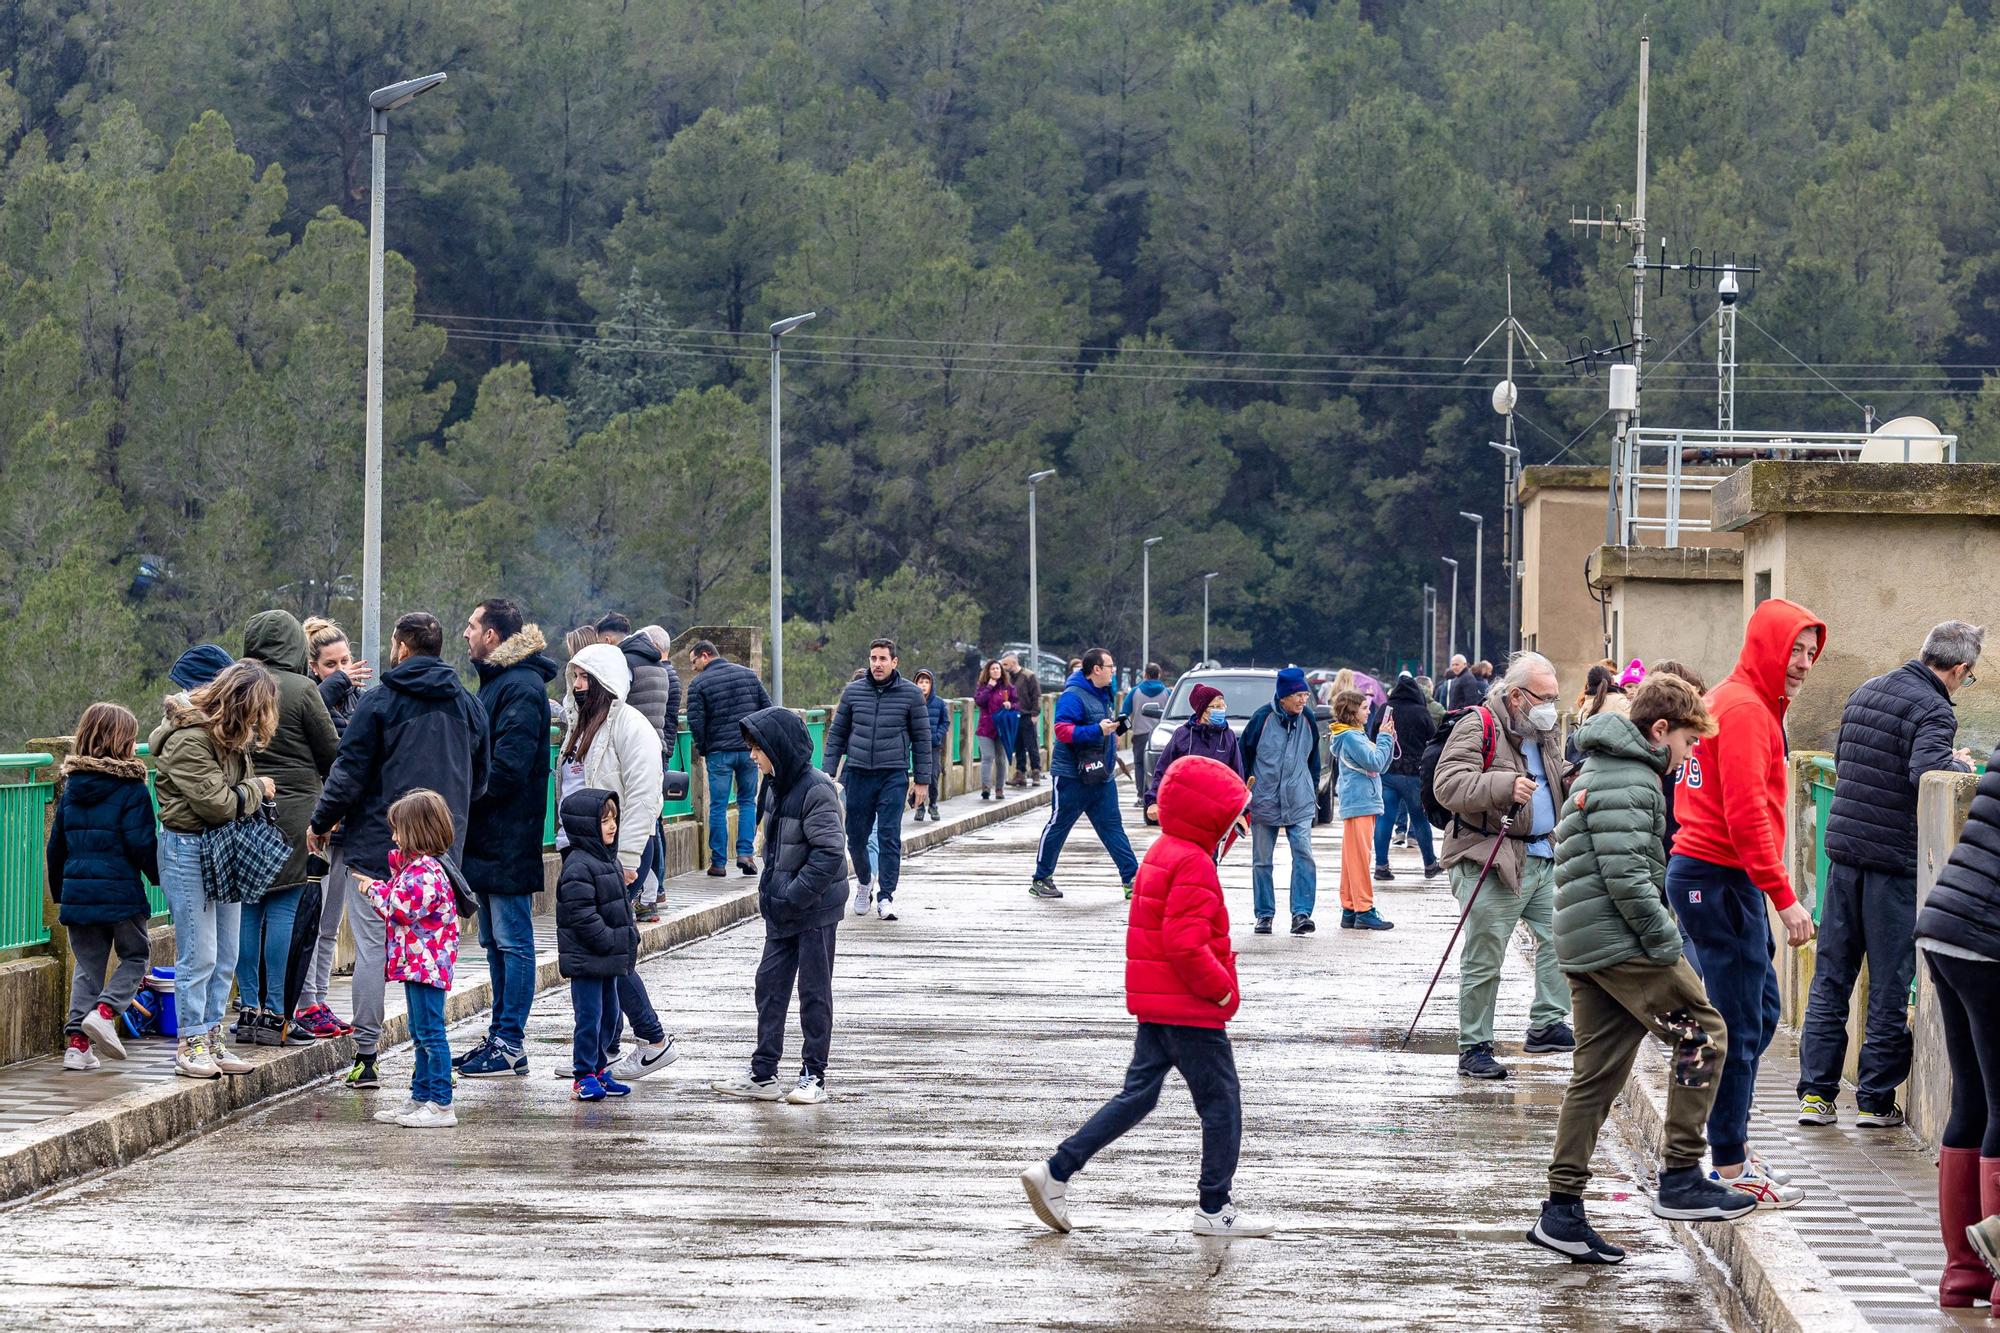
[(1731, 801)]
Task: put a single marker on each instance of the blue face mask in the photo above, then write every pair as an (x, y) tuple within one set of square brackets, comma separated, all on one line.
[(1216, 716)]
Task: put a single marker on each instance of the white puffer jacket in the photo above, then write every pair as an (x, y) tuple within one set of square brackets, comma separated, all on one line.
[(624, 756)]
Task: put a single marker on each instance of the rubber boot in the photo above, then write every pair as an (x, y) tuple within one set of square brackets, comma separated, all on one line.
[(1989, 1208), (1965, 1278)]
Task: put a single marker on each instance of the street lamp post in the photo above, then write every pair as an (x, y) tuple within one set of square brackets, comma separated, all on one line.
[(1478, 522), (1034, 589), (1427, 659), (1510, 517), (1146, 601), (1451, 638), (778, 331), (380, 103), (1206, 579)]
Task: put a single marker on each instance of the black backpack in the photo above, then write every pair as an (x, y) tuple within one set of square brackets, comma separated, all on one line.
[(1427, 766)]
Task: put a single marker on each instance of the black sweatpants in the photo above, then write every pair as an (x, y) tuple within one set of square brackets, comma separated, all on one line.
[(806, 958), (1969, 1007)]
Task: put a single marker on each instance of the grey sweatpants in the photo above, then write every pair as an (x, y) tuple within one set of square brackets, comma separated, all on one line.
[(992, 765), (333, 897), (91, 946), (370, 948)]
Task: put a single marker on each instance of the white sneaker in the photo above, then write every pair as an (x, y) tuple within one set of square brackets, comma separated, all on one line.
[(192, 1060), (642, 1060), (1229, 1223), (1766, 1190), (1757, 1163), (1048, 1196), (76, 1058), (225, 1059), (756, 1090), (394, 1115), (103, 1034), (808, 1091), (885, 909), (862, 897), (429, 1116)]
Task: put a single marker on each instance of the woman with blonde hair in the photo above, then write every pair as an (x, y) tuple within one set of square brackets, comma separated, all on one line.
[(204, 778)]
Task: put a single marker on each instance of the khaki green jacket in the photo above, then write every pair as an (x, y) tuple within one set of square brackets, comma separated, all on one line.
[(198, 788)]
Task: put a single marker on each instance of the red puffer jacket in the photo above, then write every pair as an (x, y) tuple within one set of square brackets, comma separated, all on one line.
[(1179, 967)]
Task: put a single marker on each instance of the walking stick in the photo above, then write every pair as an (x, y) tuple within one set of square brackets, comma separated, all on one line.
[(1505, 820)]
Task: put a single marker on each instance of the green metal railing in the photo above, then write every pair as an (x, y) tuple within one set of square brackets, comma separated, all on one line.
[(23, 817), (1819, 787)]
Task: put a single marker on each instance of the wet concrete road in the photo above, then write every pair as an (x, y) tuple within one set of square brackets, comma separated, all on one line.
[(970, 1036)]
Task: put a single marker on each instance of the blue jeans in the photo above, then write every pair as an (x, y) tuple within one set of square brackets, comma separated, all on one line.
[(1076, 800), (206, 937), (630, 1000), (1722, 913), (1263, 860), (724, 766), (1206, 1061), (1868, 914), (431, 1081), (507, 933), (875, 806), (595, 1001), (1403, 800), (264, 939)]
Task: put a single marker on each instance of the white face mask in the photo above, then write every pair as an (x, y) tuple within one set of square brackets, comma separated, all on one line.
[(1542, 717)]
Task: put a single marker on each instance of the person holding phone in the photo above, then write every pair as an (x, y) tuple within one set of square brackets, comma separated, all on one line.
[(1084, 766)]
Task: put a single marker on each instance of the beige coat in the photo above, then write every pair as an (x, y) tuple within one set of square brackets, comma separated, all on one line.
[(1480, 797)]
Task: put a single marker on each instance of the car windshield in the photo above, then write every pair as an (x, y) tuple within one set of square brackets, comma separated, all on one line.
[(1242, 691)]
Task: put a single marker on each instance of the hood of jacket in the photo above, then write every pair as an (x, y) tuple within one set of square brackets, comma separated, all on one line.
[(128, 770), (422, 678), (606, 665), (1199, 799), (1152, 689), (523, 648), (1615, 736), (89, 787), (779, 733), (1080, 680), (1767, 648), (581, 812), (639, 645), (925, 674), (1405, 691), (277, 639)]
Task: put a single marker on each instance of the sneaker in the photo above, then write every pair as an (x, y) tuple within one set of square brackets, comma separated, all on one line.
[(1263, 926), (101, 1026), (77, 1057), (363, 1074), (754, 1089), (318, 1020), (649, 914), (1757, 1162), (1887, 1118), (1372, 920), (429, 1116), (492, 1060), (262, 1030), (1564, 1229), (1762, 1189), (1228, 1223), (642, 1059), (884, 909), (1048, 1196), (587, 1089), (225, 1059), (985, 795), (1985, 1237), (1128, 890), (1687, 1195), (395, 1113), (1818, 1111), (934, 815), (1433, 870), (808, 1091), (1347, 915), (747, 864), (862, 897), (465, 1058), (922, 813), (1044, 888), (1478, 1062), (192, 1060), (1384, 874), (612, 1087), (718, 870), (1555, 1037), (1302, 924)]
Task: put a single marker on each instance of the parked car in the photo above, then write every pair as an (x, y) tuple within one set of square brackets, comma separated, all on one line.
[(1246, 689), (1052, 671)]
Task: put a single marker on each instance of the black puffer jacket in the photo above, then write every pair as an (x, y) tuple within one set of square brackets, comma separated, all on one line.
[(101, 841), (595, 933), (656, 689), (503, 847), (337, 692), (881, 724), (1414, 727), (804, 882), (1895, 729), (1964, 905), (302, 748), (419, 728), (722, 694)]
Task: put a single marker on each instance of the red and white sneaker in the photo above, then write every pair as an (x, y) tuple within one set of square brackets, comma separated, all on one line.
[(319, 1020), (1766, 1191)]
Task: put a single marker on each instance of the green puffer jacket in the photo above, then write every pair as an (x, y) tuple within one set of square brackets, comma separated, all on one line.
[(1611, 875)]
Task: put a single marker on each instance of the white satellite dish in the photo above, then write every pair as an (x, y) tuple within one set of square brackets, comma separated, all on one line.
[(1904, 440), (1504, 397)]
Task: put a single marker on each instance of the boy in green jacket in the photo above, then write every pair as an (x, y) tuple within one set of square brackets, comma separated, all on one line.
[(1620, 946)]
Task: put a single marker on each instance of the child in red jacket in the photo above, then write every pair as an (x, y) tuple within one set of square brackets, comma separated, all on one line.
[(1180, 982)]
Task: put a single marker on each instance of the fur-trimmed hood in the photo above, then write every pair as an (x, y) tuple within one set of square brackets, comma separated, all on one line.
[(130, 769), (517, 647)]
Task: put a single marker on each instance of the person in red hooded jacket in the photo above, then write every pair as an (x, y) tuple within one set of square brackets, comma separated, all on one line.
[(1180, 983), (1729, 856)]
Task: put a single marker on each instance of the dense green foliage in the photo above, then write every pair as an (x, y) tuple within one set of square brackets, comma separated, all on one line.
[(1215, 261)]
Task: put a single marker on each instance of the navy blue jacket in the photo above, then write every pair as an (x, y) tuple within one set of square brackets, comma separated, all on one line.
[(1895, 729), (1081, 714), (719, 697), (880, 724), (503, 846), (101, 842), (1964, 905)]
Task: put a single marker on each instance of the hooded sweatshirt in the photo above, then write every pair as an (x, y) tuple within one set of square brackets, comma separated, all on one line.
[(803, 885), (1179, 966), (1611, 874), (302, 749), (624, 755), (595, 933), (1731, 798)]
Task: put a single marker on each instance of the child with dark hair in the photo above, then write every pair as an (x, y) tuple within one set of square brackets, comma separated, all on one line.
[(597, 940)]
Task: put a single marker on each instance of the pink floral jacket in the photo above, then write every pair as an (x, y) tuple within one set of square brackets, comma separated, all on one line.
[(417, 903)]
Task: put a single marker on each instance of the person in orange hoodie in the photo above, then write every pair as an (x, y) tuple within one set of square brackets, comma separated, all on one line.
[(1180, 983), (1729, 857)]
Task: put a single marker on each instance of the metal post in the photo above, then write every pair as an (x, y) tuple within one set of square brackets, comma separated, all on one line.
[(1478, 522), (777, 544), (1034, 591), (1206, 579), (1428, 658), (1146, 600), (371, 485), (1451, 639)]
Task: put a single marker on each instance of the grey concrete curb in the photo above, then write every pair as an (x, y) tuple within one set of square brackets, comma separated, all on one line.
[(128, 1127), (1771, 1268)]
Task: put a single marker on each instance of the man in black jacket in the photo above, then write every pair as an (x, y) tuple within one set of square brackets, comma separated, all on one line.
[(656, 693), (722, 695), (1028, 738), (800, 894), (882, 728), (503, 843), (1402, 787), (419, 729), (1895, 729)]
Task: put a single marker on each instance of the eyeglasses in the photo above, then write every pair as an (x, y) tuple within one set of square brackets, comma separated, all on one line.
[(1539, 698)]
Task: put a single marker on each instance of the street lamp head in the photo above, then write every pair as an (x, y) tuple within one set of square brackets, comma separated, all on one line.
[(1507, 449), (1217, 574), (785, 326), (1154, 541), (397, 96), (1449, 561), (1472, 518), (1043, 475)]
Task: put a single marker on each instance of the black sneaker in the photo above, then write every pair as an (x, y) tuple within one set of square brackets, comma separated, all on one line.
[(1433, 870), (1044, 888), (485, 1044), (1263, 926), (1563, 1228), (1384, 874), (1686, 1195), (1882, 1117), (1302, 924), (1479, 1063), (295, 1032), (1554, 1037), (1347, 915), (363, 1074)]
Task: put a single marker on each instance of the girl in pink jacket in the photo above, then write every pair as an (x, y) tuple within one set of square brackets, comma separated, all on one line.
[(422, 916)]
